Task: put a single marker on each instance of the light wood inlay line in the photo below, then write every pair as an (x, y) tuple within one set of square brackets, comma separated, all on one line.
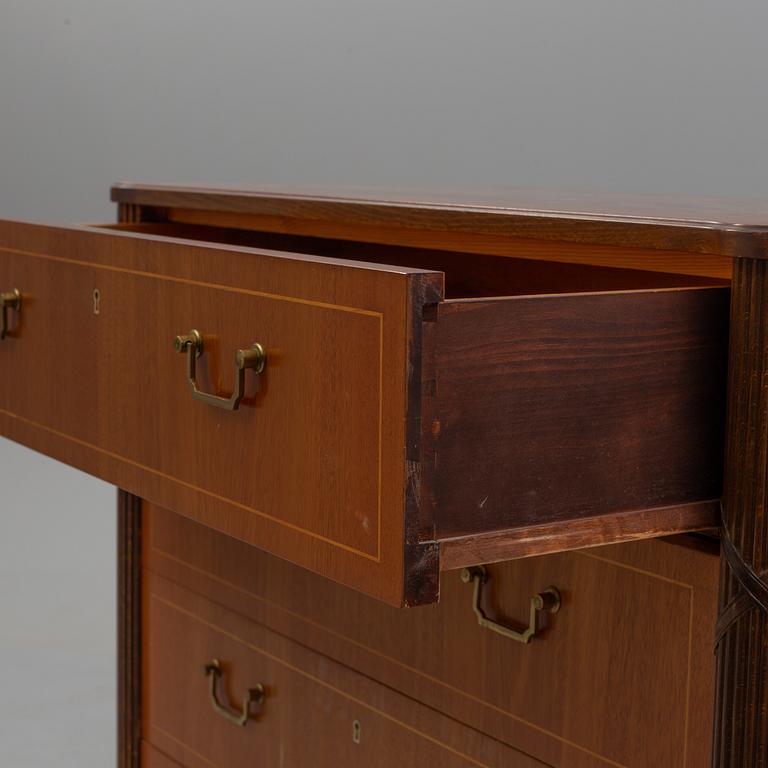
[(185, 484), (632, 568), (688, 682), (259, 294), (689, 671), (320, 681), (165, 734), (196, 283), (413, 670)]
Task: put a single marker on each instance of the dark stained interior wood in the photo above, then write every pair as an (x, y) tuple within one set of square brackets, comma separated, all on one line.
[(555, 408)]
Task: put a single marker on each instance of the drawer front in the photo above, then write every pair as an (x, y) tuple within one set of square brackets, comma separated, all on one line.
[(622, 675), (312, 466), (314, 712)]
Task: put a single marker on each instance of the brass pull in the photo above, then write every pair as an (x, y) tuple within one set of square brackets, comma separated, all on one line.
[(548, 600), (254, 359), (9, 300), (254, 696)]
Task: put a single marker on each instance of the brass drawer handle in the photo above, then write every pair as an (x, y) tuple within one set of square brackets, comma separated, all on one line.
[(548, 600), (253, 696), (9, 300), (254, 359)]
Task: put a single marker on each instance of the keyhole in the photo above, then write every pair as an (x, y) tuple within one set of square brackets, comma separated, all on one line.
[(356, 728), (96, 301)]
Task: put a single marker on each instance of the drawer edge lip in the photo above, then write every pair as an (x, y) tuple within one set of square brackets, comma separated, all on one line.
[(119, 230), (581, 533)]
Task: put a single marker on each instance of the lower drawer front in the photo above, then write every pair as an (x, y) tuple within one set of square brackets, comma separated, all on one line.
[(622, 675), (315, 712)]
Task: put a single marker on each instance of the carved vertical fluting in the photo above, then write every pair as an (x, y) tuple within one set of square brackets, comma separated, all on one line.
[(128, 213), (741, 715), (128, 630)]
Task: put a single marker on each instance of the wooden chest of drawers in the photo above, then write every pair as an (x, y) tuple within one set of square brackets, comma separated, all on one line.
[(322, 409)]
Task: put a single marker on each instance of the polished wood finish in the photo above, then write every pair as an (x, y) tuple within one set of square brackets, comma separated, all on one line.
[(312, 467), (523, 267), (547, 538), (311, 703), (129, 520), (622, 676), (360, 482), (740, 737), (539, 402), (624, 256), (154, 758), (709, 226)]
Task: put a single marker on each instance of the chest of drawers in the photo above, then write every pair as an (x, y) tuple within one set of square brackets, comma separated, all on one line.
[(357, 396)]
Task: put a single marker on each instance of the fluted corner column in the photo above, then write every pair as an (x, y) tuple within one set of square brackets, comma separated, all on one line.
[(741, 709)]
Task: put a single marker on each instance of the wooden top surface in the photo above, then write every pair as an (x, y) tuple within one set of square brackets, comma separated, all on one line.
[(734, 227)]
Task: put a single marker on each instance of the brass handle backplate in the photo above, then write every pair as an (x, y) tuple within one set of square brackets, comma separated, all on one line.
[(252, 697), (548, 600), (9, 301), (254, 359)]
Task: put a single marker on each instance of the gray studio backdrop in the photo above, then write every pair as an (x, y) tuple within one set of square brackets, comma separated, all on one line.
[(655, 95)]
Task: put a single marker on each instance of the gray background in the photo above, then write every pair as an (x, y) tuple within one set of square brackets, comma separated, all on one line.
[(655, 95)]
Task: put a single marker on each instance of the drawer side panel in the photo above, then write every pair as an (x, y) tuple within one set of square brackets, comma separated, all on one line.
[(567, 407)]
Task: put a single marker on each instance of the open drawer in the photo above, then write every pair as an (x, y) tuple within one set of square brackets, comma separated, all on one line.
[(389, 420)]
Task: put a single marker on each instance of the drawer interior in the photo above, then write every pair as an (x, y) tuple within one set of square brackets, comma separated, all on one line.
[(467, 275), (552, 392)]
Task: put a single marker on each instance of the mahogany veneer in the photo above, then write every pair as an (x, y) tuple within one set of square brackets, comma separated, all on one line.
[(452, 379)]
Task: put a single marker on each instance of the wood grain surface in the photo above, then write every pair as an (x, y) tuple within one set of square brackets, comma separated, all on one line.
[(129, 520), (578, 533), (565, 407), (154, 758), (477, 260), (741, 727), (622, 676), (712, 226), (311, 703), (313, 465), (487, 417), (625, 255)]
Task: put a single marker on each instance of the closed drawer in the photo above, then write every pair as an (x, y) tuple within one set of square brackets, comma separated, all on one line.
[(314, 712), (622, 675), (391, 431)]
